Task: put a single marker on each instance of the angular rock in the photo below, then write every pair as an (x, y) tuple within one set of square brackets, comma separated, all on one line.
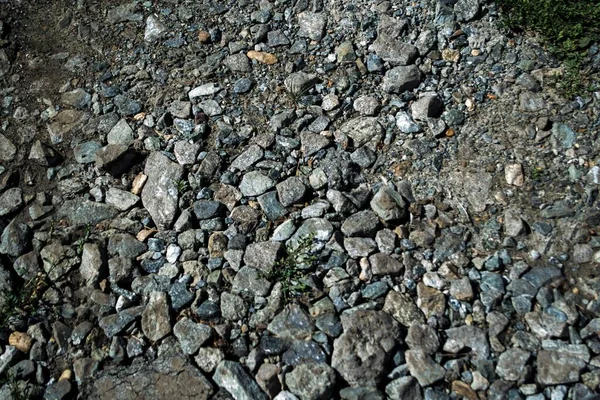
[(388, 205), (255, 183), (156, 322), (362, 352), (401, 79), (160, 194), (312, 25), (311, 381), (232, 377), (191, 335), (422, 367), (363, 130)]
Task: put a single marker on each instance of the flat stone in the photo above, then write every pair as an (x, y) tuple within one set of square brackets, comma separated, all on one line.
[(156, 322), (384, 264), (299, 83), (238, 63), (388, 205), (191, 335), (165, 378), (263, 255), (233, 307), (406, 124), (402, 308), (311, 381), (15, 238), (511, 364), (7, 149), (11, 201), (121, 199), (557, 368), (363, 223), (422, 367), (514, 174), (394, 51), (160, 195), (467, 336), (312, 25), (292, 323), (115, 323), (251, 281), (422, 337), (312, 143), (291, 191), (363, 130), (401, 79), (362, 353), (85, 152), (255, 183), (429, 105), (248, 158), (366, 105), (232, 377)]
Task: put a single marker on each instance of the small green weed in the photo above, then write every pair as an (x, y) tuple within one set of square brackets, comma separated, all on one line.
[(18, 389), (22, 301), (181, 185), (567, 28), (292, 269)]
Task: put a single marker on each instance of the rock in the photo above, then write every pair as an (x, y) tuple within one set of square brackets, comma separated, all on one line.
[(302, 352), (208, 358), (366, 105), (77, 98), (363, 130), (513, 224), (255, 183), (58, 390), (345, 53), (238, 63), (292, 323), (511, 364), (155, 318), (127, 106), (251, 281), (232, 377), (429, 105), (361, 353), (114, 159), (248, 158), (359, 393), (44, 155), (291, 191), (362, 223), (312, 143), (467, 336), (405, 387), (232, 307), (388, 205), (64, 123), (113, 324), (263, 255), (7, 149), (557, 368), (311, 381), (85, 152), (401, 79), (384, 264), (208, 89), (160, 194), (121, 199), (311, 25), (262, 57), (406, 124), (15, 238), (422, 367), (155, 29), (394, 51), (531, 102), (191, 335), (84, 212), (402, 308), (466, 10), (11, 201), (514, 174), (164, 378), (91, 263), (121, 133), (422, 337), (300, 83)]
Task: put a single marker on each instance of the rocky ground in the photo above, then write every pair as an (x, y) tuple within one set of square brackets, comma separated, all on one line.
[(294, 200)]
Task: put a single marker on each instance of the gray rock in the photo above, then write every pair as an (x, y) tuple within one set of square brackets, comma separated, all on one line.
[(361, 393), (557, 368), (251, 281), (85, 212), (7, 149), (394, 51), (11, 201), (255, 183), (125, 245), (15, 239), (85, 152), (531, 102), (511, 364), (388, 205), (422, 337), (207, 89), (191, 335), (160, 194), (165, 378), (248, 158), (400, 79), (384, 264), (113, 324), (312, 25), (406, 124), (114, 158), (77, 98), (123, 13), (311, 143), (302, 352), (291, 191), (362, 223), (300, 83), (44, 155), (91, 263), (232, 307), (366, 105), (320, 228), (238, 63), (405, 387), (513, 224), (363, 130), (263, 255), (58, 390), (271, 206), (121, 199), (467, 336), (292, 323), (311, 381), (64, 123), (402, 308), (232, 377), (466, 10), (359, 247), (208, 358), (422, 367), (186, 152), (155, 29), (156, 322), (429, 105), (362, 352), (127, 106)]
